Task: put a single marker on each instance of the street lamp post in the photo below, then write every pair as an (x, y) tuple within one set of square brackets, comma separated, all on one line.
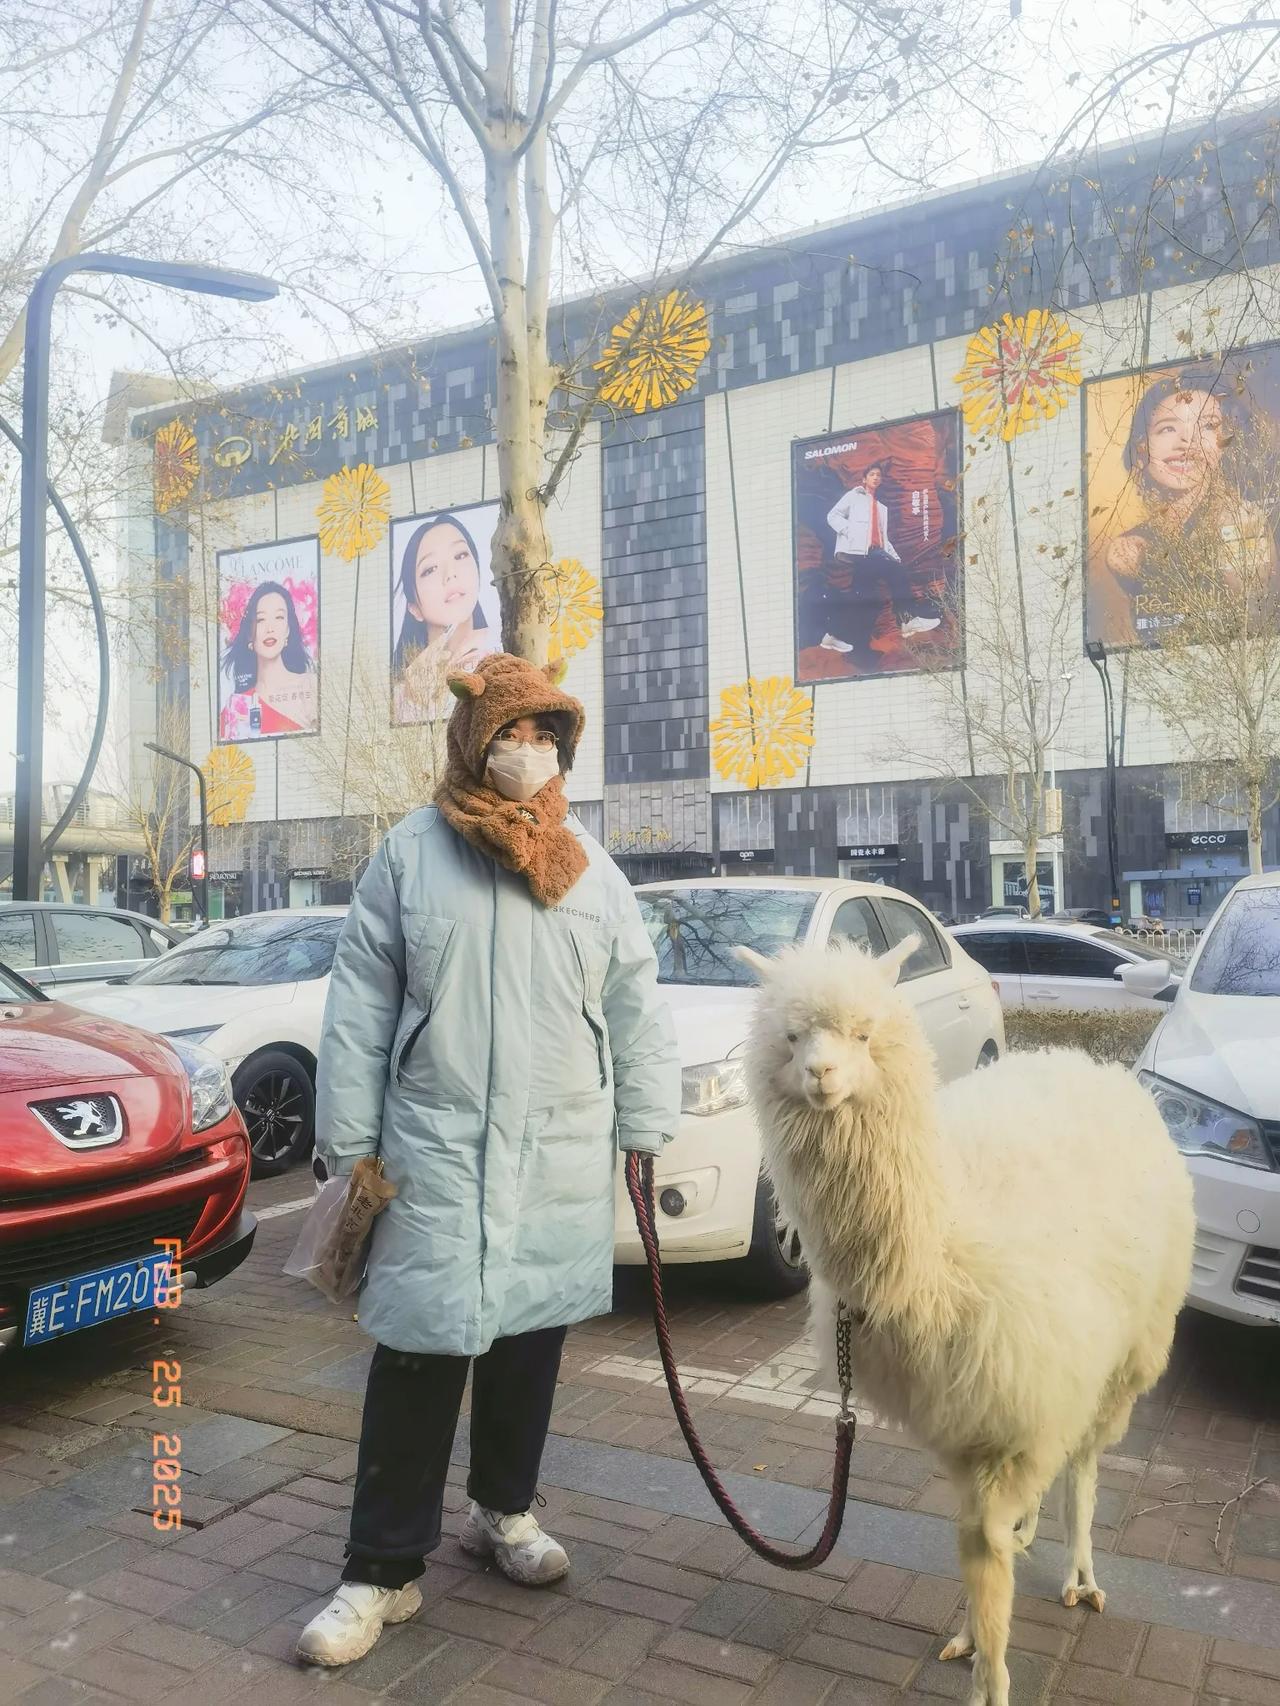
[(201, 784), (1096, 652), (28, 854)]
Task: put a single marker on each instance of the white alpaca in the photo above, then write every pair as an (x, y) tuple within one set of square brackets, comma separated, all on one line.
[(1015, 1247)]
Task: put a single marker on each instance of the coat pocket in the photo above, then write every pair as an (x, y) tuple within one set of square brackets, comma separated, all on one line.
[(406, 1047), (592, 1010), (425, 939)]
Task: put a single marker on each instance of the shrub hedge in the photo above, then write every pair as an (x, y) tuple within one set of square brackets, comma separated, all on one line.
[(1116, 1035)]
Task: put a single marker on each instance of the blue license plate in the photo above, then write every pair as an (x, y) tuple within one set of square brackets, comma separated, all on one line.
[(65, 1306)]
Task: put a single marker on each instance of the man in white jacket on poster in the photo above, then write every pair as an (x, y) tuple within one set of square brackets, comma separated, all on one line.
[(860, 523)]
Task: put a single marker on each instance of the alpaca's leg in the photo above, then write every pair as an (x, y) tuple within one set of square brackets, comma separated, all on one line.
[(961, 1643), (1025, 1530), (1082, 1492), (986, 1559)]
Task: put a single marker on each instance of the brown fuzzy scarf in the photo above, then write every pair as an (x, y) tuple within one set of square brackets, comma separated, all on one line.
[(528, 837)]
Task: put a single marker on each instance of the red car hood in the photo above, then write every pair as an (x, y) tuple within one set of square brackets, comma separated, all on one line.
[(48, 1044), (51, 1050)]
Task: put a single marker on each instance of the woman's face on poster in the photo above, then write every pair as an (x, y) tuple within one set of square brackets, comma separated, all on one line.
[(270, 627), (1184, 442), (446, 578)]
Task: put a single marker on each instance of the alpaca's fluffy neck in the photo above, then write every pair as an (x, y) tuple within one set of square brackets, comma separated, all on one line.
[(867, 1183)]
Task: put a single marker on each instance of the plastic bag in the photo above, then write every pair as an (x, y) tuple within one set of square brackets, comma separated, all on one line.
[(333, 1246)]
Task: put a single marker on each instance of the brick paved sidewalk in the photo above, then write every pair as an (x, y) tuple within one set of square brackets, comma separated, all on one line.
[(661, 1605), (658, 1608)]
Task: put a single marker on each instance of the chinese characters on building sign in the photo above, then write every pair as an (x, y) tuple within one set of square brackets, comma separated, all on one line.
[(236, 449)]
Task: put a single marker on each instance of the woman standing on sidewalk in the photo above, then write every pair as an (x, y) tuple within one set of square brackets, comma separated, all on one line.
[(495, 1033)]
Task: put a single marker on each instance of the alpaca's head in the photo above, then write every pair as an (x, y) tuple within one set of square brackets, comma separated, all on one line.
[(828, 1021)]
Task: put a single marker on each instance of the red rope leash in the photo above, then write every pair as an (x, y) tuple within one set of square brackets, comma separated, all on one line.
[(640, 1190)]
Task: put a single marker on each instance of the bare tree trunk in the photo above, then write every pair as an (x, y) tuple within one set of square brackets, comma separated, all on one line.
[(1031, 861), (520, 545), (1255, 828), (164, 899)]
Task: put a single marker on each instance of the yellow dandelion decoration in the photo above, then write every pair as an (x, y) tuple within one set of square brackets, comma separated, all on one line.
[(763, 733), (353, 511), (654, 352), (175, 465), (230, 778), (1018, 373), (576, 609)]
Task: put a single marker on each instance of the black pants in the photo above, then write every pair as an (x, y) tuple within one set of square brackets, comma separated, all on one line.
[(411, 1407)]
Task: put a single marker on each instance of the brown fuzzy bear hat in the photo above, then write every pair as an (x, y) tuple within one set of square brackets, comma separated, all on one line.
[(499, 690)]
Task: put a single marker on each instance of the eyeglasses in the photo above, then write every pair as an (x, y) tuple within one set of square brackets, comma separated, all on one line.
[(542, 740)]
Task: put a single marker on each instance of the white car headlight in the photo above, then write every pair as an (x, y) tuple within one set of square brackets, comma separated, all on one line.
[(713, 1088), (210, 1085), (1202, 1127)]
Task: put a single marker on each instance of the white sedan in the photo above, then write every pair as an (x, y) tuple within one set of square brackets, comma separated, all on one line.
[(713, 1203), (252, 991), (1048, 963), (1211, 1065)]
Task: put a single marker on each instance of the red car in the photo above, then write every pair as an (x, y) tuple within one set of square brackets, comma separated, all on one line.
[(119, 1154)]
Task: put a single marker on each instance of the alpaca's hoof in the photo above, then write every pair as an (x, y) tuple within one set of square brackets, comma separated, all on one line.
[(1073, 1594), (958, 1647)]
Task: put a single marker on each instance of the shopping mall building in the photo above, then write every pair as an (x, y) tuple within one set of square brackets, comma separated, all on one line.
[(783, 593)]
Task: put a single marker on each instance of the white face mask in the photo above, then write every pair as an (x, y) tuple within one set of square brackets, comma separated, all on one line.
[(518, 772)]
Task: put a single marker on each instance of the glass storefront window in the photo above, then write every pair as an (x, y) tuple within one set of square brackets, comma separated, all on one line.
[(1015, 884)]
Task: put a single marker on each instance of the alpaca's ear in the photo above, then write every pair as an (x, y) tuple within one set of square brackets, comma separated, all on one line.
[(758, 963), (897, 957)]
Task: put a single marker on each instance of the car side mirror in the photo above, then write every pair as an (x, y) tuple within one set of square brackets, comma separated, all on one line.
[(1149, 978)]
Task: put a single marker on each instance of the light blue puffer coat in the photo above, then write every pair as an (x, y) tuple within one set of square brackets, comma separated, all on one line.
[(497, 1054)]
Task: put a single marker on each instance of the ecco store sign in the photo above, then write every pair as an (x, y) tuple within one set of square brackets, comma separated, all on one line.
[(1205, 840)]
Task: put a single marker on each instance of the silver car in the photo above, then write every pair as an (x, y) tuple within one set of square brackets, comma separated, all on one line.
[(54, 944)]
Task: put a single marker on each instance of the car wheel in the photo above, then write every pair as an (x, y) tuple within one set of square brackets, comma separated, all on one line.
[(989, 1056), (275, 1095), (775, 1265)]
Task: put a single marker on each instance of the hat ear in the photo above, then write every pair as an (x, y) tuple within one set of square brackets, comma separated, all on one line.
[(465, 685), (556, 672)]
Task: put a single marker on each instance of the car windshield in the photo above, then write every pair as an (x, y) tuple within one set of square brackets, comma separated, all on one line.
[(694, 931), (1241, 952), (254, 951)]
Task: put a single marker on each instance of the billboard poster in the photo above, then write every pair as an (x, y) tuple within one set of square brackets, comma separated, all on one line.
[(269, 640), (874, 512), (444, 605), (1179, 473)]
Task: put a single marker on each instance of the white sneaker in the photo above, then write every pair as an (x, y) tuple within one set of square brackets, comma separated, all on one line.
[(517, 1546), (352, 1621), (829, 643), (920, 625)]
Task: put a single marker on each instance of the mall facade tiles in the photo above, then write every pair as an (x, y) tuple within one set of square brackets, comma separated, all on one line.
[(769, 590)]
